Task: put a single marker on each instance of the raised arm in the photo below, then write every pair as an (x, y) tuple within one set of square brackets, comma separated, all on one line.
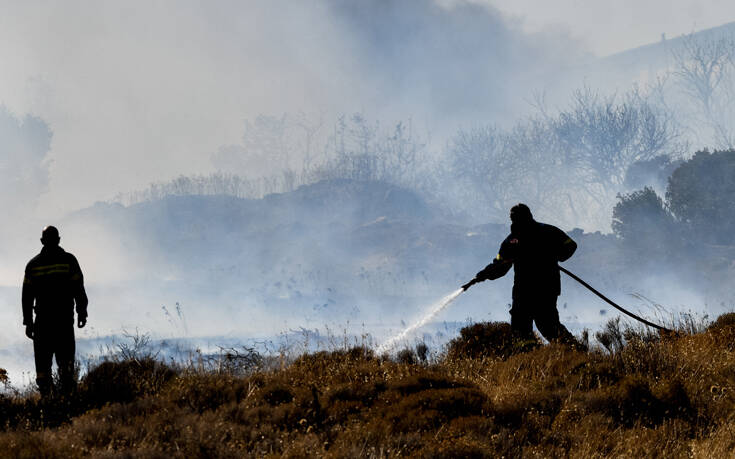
[(498, 268)]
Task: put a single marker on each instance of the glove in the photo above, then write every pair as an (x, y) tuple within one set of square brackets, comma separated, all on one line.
[(81, 321), (29, 331), (470, 283)]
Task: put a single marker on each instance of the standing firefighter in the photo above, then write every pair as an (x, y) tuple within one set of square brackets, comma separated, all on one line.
[(534, 250), (53, 283)]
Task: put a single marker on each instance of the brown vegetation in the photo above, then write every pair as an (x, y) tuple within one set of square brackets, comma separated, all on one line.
[(647, 395)]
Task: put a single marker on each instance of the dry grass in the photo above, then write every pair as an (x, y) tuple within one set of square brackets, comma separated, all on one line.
[(647, 395)]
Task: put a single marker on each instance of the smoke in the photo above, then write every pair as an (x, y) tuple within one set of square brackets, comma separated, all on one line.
[(138, 94), (24, 163)]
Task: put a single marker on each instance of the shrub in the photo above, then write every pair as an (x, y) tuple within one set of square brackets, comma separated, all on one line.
[(422, 352), (488, 340), (632, 401), (725, 321), (406, 357), (671, 396), (124, 381), (701, 193), (641, 221)]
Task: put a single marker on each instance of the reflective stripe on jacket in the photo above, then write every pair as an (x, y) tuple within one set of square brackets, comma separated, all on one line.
[(52, 285)]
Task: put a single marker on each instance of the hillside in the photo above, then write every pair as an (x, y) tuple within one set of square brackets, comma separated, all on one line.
[(640, 65), (658, 55), (335, 252), (332, 251), (643, 396)]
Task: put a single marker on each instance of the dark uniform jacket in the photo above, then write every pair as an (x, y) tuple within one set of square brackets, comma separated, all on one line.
[(53, 279), (534, 254)]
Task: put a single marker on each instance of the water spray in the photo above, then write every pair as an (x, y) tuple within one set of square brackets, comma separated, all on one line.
[(433, 312), (435, 309), (447, 300)]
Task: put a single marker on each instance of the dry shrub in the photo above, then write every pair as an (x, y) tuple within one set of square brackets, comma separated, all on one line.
[(363, 393), (428, 380), (32, 445), (670, 397), (725, 321), (123, 381), (429, 409), (206, 392), (493, 340), (719, 443), (407, 357), (347, 400), (611, 336), (12, 410), (463, 446), (422, 352), (324, 360), (532, 411), (632, 401), (596, 373), (722, 331)]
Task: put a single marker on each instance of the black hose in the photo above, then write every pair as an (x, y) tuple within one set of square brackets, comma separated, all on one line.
[(610, 302)]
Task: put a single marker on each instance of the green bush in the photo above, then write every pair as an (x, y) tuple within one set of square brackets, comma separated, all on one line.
[(641, 221), (701, 194)]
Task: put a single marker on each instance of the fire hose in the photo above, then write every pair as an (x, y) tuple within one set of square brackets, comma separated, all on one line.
[(612, 303), (593, 290)]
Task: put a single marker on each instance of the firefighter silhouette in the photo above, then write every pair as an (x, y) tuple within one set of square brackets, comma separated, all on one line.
[(533, 249), (52, 286)]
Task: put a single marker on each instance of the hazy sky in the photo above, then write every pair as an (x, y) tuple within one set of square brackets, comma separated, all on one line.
[(136, 92), (607, 27)]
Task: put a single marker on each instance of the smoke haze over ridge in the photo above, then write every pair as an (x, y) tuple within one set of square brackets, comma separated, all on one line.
[(139, 94), (109, 97), (142, 92)]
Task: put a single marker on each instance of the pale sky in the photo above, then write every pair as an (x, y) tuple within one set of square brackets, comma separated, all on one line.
[(139, 91), (611, 26)]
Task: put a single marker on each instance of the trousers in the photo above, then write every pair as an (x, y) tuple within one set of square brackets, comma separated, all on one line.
[(54, 340), (541, 310)]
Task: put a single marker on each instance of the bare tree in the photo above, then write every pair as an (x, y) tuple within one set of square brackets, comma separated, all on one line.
[(402, 154), (570, 164), (704, 67), (481, 175), (361, 150), (270, 146), (310, 129), (605, 137)]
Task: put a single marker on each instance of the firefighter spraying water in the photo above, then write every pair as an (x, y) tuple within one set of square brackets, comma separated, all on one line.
[(534, 250)]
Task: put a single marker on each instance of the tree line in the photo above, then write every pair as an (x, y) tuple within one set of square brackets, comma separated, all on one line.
[(569, 164), (696, 212)]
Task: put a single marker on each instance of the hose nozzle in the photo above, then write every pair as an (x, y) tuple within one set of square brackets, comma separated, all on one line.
[(470, 284)]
